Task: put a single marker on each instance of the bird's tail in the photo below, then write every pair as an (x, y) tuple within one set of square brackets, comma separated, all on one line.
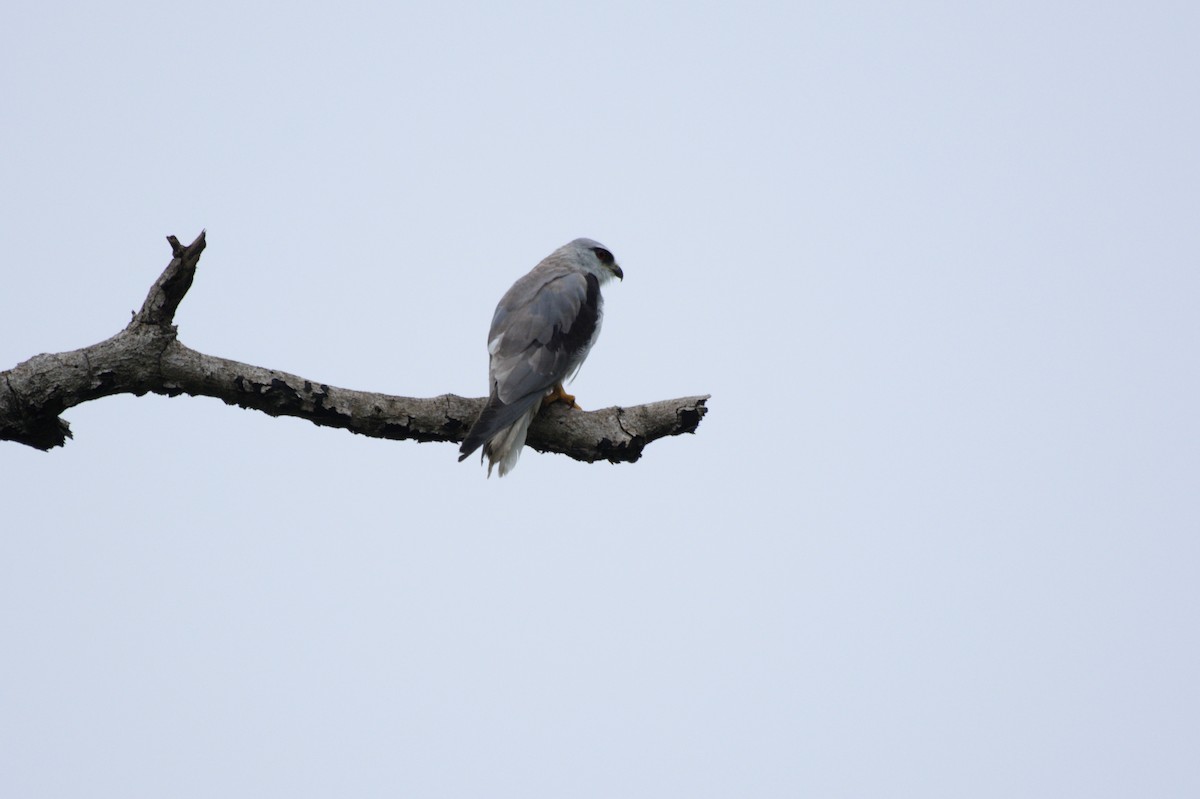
[(500, 430), (505, 448)]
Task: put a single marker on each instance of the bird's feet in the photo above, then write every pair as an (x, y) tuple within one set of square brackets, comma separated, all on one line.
[(557, 394)]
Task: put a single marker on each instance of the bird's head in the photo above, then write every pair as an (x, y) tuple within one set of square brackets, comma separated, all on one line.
[(596, 258)]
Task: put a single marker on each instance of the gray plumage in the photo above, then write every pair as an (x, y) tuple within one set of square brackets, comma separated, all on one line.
[(541, 333)]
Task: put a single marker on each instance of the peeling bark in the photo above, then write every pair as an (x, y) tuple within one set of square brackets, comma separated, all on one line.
[(147, 357)]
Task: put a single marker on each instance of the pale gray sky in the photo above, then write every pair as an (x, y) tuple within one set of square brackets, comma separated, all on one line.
[(936, 263)]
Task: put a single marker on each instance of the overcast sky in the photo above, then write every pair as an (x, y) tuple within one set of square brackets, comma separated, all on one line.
[(938, 265)]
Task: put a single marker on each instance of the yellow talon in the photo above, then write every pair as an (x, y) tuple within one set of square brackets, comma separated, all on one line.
[(557, 394)]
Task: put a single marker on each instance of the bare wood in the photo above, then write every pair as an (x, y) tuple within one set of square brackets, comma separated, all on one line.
[(147, 357)]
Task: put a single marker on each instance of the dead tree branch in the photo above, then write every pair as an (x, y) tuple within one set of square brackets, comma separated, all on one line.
[(147, 357)]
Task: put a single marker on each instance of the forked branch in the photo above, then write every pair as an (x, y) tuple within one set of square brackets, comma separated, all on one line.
[(147, 357)]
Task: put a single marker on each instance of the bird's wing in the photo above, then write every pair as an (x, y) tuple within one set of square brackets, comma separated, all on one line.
[(541, 331)]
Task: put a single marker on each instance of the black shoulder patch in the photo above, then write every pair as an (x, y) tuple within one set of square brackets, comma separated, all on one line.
[(584, 326)]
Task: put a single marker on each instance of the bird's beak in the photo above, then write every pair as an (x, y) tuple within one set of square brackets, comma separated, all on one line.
[(616, 270)]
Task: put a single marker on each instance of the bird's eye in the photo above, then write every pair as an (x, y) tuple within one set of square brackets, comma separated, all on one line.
[(604, 255)]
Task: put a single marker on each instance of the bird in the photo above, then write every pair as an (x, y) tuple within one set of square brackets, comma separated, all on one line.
[(542, 331)]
